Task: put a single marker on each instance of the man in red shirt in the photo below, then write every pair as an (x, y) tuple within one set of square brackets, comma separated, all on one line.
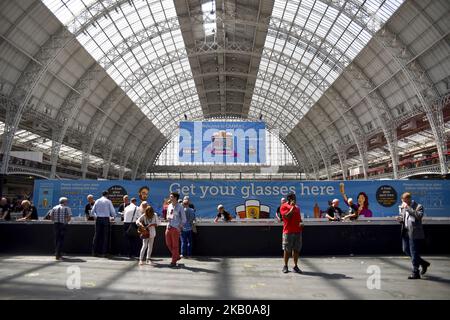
[(292, 231)]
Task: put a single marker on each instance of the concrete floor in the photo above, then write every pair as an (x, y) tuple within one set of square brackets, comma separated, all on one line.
[(41, 277)]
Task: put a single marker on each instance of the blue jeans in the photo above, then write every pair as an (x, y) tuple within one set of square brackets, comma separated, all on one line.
[(186, 243), (411, 247)]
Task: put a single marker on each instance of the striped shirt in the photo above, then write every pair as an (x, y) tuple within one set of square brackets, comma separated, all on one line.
[(61, 214)]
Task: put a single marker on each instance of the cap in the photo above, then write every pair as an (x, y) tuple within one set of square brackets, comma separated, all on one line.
[(186, 198), (219, 206), (62, 199)]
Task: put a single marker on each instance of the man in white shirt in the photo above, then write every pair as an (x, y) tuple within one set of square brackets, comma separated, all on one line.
[(130, 215), (103, 211)]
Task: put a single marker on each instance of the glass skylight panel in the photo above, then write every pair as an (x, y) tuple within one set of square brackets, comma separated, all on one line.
[(209, 17), (331, 29)]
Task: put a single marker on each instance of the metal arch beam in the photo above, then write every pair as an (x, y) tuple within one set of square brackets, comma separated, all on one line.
[(136, 78), (416, 74), (27, 84), (315, 155), (324, 150), (18, 20), (352, 123), (297, 154), (169, 83), (106, 108), (384, 115), (98, 10), (318, 153), (137, 151), (423, 87), (69, 109), (273, 98), (117, 133), (335, 139), (29, 80), (153, 155), (303, 155)]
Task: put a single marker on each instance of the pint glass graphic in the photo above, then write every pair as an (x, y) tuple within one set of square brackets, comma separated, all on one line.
[(252, 209), (222, 143), (240, 211), (264, 212)]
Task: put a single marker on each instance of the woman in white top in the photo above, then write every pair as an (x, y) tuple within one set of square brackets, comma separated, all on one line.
[(149, 220)]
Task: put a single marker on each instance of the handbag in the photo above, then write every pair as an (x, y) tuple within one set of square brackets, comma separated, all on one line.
[(132, 230), (144, 233)]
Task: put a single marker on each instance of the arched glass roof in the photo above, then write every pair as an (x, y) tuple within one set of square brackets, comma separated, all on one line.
[(142, 47)]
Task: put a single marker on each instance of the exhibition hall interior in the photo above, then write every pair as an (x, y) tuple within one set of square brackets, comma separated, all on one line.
[(225, 150)]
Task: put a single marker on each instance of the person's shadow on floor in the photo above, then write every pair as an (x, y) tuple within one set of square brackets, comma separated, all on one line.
[(329, 276)]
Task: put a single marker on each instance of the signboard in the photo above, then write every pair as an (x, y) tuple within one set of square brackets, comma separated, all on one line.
[(252, 199), (222, 142)]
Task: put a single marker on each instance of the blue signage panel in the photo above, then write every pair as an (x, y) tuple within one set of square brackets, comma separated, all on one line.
[(252, 199), (222, 142)]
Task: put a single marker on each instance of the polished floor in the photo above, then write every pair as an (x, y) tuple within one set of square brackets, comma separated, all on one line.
[(343, 277)]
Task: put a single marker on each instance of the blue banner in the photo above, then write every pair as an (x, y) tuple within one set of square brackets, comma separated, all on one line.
[(222, 142), (252, 199)]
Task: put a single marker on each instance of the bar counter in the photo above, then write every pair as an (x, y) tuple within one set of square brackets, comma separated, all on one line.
[(262, 237)]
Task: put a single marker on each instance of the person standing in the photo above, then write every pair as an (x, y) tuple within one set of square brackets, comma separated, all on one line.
[(123, 205), (88, 208), (278, 213), (29, 211), (191, 205), (411, 214), (222, 214), (5, 210), (352, 212), (130, 216), (149, 220), (292, 232), (334, 213), (103, 211), (186, 233), (60, 215), (176, 219)]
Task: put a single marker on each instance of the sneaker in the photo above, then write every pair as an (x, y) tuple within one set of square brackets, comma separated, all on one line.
[(148, 261), (141, 263), (172, 265), (425, 267), (297, 269), (414, 276), (285, 269)]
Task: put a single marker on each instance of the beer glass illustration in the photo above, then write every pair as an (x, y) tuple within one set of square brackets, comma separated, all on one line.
[(240, 211), (264, 212), (252, 209)]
